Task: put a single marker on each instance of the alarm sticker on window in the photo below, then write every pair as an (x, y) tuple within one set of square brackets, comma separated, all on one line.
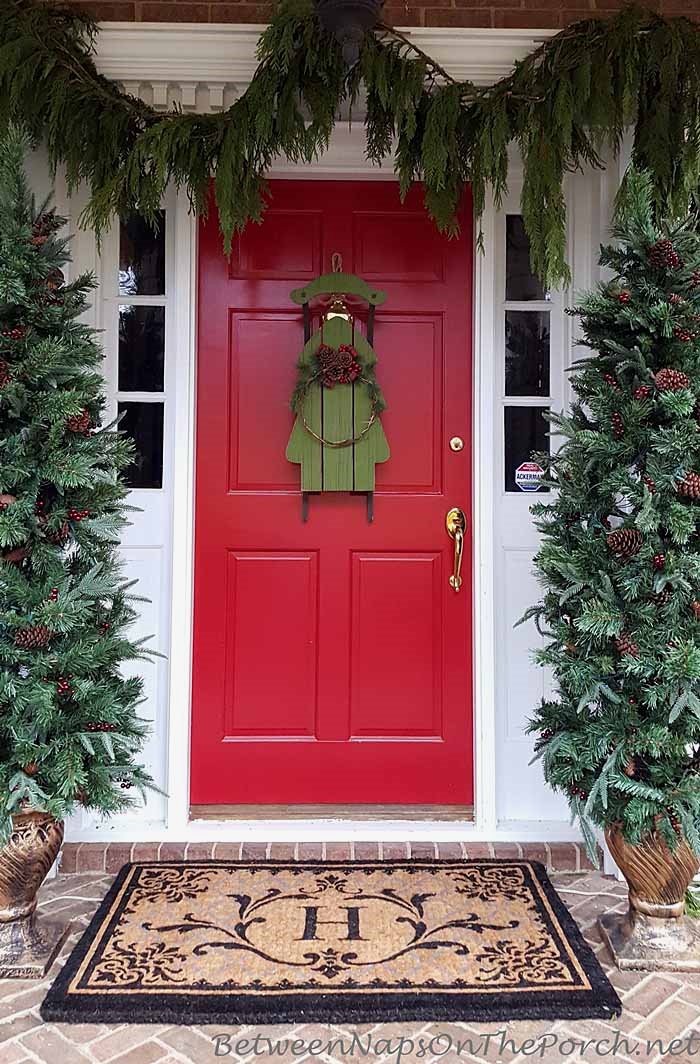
[(528, 476)]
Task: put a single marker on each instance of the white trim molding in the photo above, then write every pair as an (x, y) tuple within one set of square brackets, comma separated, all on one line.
[(204, 67)]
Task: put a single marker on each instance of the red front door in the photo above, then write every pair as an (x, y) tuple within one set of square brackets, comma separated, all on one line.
[(332, 659)]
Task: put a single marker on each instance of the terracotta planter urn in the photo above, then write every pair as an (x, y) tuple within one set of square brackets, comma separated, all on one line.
[(28, 945), (654, 934)]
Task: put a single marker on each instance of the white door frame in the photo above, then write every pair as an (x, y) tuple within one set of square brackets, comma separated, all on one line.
[(207, 71)]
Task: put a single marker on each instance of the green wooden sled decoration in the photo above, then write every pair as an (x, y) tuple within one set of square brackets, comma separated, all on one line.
[(337, 436)]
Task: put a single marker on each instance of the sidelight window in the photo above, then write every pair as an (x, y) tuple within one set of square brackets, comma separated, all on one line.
[(142, 344), (526, 361)]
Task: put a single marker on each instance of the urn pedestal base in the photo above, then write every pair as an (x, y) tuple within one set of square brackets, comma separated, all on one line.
[(652, 943), (29, 947)]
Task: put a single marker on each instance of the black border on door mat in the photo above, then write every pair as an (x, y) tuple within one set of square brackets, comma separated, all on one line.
[(601, 1001)]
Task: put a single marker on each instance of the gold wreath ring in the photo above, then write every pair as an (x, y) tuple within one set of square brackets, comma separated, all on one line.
[(350, 439)]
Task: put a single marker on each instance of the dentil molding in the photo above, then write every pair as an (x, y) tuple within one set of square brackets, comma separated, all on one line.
[(204, 67)]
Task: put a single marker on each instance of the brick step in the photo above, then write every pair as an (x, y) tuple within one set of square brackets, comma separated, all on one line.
[(109, 857)]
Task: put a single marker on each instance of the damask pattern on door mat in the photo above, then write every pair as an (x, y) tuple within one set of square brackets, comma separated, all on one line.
[(283, 941)]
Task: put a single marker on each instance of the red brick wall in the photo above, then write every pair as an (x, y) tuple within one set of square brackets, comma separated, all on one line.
[(525, 14)]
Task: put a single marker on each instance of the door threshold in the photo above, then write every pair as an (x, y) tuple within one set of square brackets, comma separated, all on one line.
[(332, 812)]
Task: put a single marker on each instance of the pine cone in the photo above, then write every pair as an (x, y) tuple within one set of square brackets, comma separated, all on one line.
[(663, 255), (675, 299), (689, 487), (31, 769), (630, 767), (56, 279), (43, 227), (5, 377), (625, 644), (625, 542), (33, 638), (695, 607), (60, 536), (671, 380), (695, 279), (661, 598), (642, 392), (684, 335), (79, 423), (17, 554)]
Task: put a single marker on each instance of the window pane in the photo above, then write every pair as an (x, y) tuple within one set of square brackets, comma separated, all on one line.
[(521, 283), (144, 423), (525, 432), (527, 352), (142, 256), (141, 348)]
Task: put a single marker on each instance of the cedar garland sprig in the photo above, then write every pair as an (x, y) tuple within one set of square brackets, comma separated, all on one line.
[(564, 105)]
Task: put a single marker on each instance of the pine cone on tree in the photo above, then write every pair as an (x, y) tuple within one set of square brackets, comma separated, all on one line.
[(625, 644), (662, 598), (630, 767), (55, 280), (662, 255), (671, 380), (625, 542), (695, 607), (684, 335), (689, 487), (675, 299), (31, 769), (59, 536), (35, 637), (43, 227), (79, 423)]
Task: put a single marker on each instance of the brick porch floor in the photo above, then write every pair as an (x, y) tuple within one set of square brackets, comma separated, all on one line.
[(655, 1007)]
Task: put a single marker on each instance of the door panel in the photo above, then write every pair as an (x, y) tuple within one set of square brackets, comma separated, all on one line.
[(332, 659)]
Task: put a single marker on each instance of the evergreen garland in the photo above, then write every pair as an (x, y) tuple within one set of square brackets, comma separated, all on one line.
[(69, 733), (564, 105), (620, 554)]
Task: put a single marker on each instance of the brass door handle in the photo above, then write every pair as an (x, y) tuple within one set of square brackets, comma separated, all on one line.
[(456, 524)]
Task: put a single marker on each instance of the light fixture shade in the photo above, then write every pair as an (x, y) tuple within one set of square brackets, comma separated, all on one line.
[(348, 21)]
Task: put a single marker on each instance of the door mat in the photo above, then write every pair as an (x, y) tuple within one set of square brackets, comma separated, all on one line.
[(240, 942)]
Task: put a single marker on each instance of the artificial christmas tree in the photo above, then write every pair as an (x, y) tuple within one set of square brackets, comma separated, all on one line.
[(620, 565), (64, 606)]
